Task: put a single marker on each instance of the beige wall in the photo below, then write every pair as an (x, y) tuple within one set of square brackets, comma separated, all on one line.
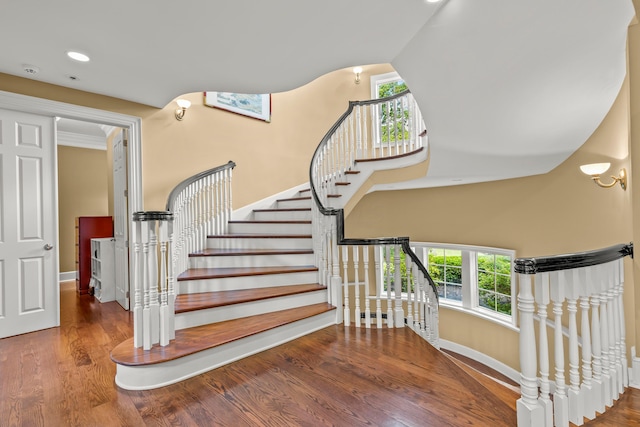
[(82, 191), (558, 212)]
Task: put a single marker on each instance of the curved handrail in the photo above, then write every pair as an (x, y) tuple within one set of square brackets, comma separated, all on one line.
[(339, 213), (184, 184), (575, 260)]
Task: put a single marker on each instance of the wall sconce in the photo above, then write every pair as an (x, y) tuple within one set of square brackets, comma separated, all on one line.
[(357, 71), (596, 169), (183, 104)]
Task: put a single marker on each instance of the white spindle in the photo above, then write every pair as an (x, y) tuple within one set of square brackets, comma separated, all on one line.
[(345, 278), (367, 290), (560, 403), (388, 278), (379, 285), (138, 285), (356, 268), (397, 287), (409, 270), (576, 403)]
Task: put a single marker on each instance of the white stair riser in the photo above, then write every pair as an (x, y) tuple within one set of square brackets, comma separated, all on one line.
[(251, 260), (259, 243), (288, 204), (268, 228), (282, 215), (246, 282), (236, 311), (159, 375)]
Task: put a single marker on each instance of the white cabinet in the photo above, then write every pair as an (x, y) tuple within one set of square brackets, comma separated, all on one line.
[(103, 269)]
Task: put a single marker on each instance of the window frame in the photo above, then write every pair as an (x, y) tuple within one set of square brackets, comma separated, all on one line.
[(470, 290), (375, 81)]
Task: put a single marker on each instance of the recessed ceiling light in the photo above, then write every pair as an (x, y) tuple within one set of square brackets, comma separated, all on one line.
[(433, 1), (30, 69), (81, 57)]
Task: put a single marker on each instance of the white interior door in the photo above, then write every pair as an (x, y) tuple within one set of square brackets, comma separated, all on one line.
[(29, 288), (120, 220)]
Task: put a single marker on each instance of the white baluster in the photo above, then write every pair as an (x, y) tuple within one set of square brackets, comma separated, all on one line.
[(529, 412), (356, 268), (604, 340), (541, 283), (587, 386), (367, 308), (596, 330), (345, 281), (621, 319), (560, 403), (576, 403), (388, 263), (397, 287), (379, 285), (407, 260)]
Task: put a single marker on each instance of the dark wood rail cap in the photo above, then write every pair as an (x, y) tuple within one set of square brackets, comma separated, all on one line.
[(153, 216), (569, 261)]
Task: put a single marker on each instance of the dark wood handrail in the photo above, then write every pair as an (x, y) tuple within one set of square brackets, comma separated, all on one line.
[(184, 184), (339, 213), (575, 260)]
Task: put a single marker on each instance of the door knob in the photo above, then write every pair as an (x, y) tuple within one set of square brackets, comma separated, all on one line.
[(48, 247)]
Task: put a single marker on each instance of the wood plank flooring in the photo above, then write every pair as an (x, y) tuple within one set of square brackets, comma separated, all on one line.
[(337, 376)]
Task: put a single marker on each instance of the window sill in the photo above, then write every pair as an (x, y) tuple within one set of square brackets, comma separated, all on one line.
[(505, 322)]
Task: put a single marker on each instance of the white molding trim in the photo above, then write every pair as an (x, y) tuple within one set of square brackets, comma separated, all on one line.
[(66, 276), (505, 370), (246, 211), (29, 104), (634, 369), (72, 139)]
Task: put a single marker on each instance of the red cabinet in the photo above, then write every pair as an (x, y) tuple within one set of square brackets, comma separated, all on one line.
[(87, 228)]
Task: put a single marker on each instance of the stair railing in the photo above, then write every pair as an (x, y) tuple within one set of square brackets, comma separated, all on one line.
[(592, 283), (197, 207), (377, 128), (380, 128)]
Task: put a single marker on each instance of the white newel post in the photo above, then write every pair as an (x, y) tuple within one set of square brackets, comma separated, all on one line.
[(146, 307), (542, 301), (530, 413), (154, 305)]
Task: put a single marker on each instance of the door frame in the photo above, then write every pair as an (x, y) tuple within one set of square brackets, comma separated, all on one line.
[(46, 107)]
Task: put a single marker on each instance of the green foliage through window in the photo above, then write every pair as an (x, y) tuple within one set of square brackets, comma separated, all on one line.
[(394, 117)]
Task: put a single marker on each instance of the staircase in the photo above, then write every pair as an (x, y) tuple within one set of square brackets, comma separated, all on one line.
[(250, 289)]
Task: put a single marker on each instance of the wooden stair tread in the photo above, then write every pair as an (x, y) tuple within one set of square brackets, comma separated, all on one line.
[(249, 252), (253, 221), (216, 273), (191, 302), (192, 340), (342, 183), (352, 172)]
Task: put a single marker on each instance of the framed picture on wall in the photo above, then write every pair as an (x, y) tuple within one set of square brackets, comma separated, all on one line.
[(251, 105)]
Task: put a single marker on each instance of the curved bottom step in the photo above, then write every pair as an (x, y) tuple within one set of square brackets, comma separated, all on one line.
[(186, 357)]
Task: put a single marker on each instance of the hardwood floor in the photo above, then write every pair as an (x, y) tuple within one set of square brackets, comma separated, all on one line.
[(337, 376)]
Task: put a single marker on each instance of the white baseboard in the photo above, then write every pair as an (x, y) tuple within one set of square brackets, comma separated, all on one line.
[(634, 370), (482, 358), (67, 276)]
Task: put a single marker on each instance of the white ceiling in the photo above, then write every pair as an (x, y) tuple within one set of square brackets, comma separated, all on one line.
[(508, 88)]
